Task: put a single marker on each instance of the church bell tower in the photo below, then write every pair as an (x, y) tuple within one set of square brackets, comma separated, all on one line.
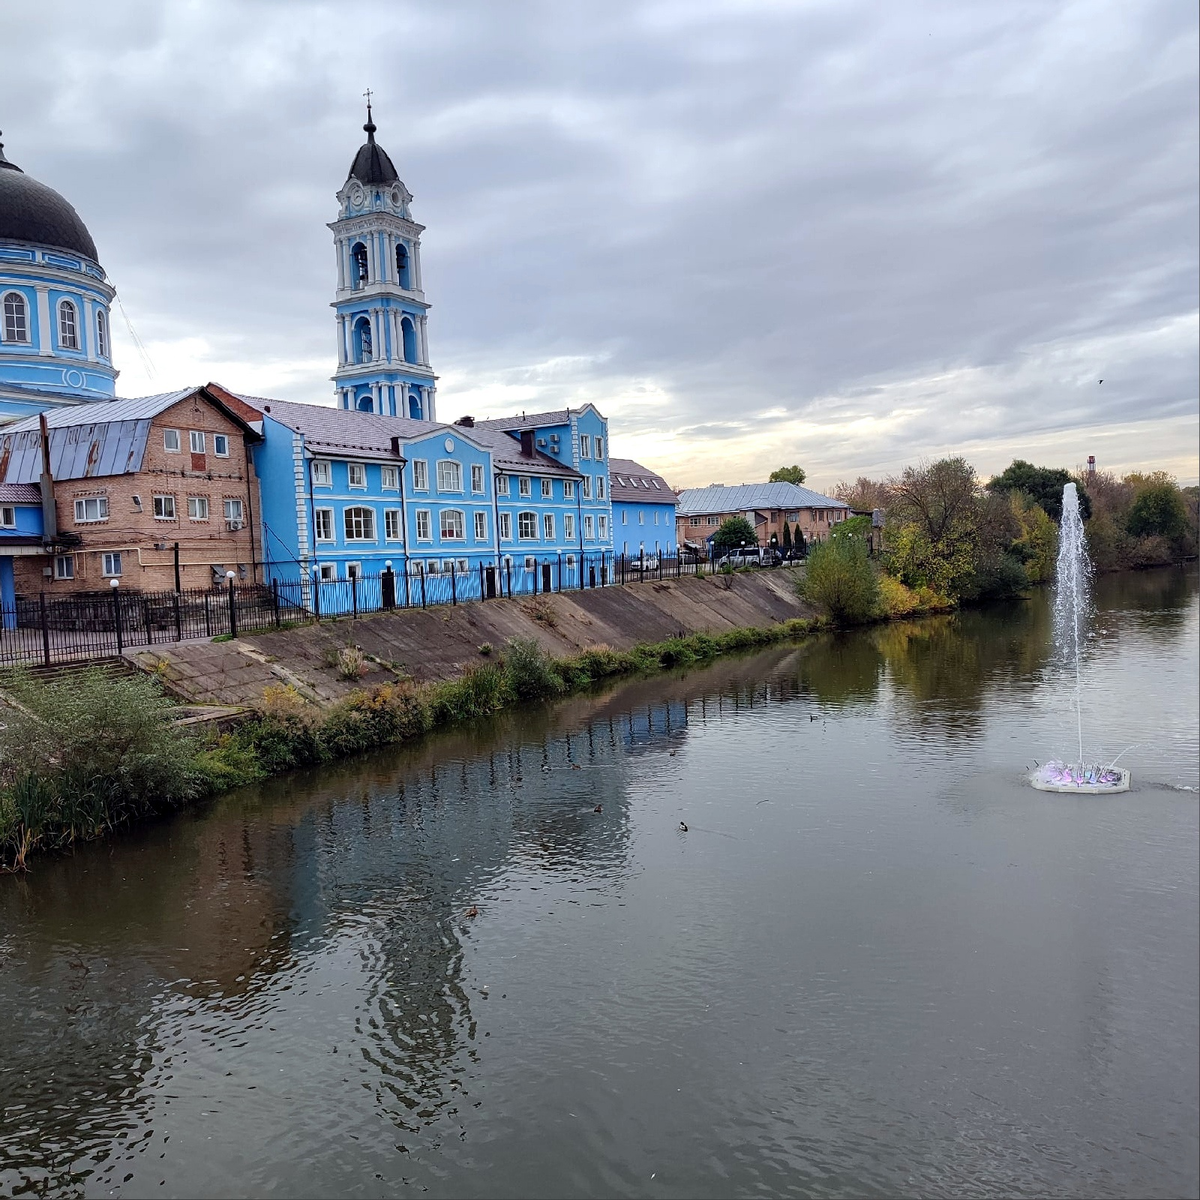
[(383, 354)]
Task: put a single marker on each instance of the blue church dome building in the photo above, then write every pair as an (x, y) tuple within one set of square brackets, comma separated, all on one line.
[(55, 343)]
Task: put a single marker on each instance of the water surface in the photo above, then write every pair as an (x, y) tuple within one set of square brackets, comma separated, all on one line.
[(877, 963)]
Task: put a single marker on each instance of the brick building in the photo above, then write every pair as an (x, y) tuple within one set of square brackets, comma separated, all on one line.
[(142, 488), (700, 512)]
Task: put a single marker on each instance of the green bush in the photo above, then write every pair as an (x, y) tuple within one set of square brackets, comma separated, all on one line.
[(529, 672), (840, 581)]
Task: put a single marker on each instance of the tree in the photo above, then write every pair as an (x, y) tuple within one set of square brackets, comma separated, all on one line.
[(1043, 485), (839, 580), (798, 542), (792, 474), (863, 495), (1158, 511), (787, 536), (732, 533)]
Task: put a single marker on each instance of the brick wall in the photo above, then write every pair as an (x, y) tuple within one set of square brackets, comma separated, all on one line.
[(814, 522)]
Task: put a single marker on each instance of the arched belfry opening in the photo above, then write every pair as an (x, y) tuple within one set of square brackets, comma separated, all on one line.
[(363, 349), (360, 266), (408, 332), (403, 268)]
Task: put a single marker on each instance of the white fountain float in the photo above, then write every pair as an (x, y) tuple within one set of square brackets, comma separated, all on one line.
[(1072, 608)]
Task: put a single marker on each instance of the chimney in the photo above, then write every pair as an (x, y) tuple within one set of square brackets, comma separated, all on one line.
[(526, 443), (466, 422), (49, 508), (1091, 464)]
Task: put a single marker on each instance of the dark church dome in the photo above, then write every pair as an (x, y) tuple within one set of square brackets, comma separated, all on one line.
[(32, 212), (371, 163)]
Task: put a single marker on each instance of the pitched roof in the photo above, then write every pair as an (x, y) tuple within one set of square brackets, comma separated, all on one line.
[(507, 456), (630, 481), (743, 497), (20, 493), (139, 408), (560, 416), (332, 430)]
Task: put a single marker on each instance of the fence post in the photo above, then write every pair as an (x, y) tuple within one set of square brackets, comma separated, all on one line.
[(116, 588), (178, 619), (453, 586), (354, 595), (45, 629), (421, 566), (207, 617), (560, 572), (275, 600), (482, 589), (508, 572), (317, 595), (407, 598), (232, 606)]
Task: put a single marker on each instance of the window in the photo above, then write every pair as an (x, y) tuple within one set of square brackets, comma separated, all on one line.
[(354, 570), (477, 477), (64, 566), (530, 562), (547, 489), (221, 445), (524, 486), (391, 524), (656, 516), (585, 487), (481, 527), (569, 526), (360, 271), (363, 351), (420, 475), (587, 526), (453, 525), (568, 489), (112, 563), (501, 485), (326, 572), (171, 441), (322, 476), (697, 521), (233, 514), (641, 518), (360, 524), (527, 526), (389, 478), (68, 328), (624, 517), (506, 527), (424, 526), (599, 448), (8, 517), (585, 446), (401, 265), (548, 527), (600, 482), (16, 318), (164, 508), (571, 561), (323, 524), (91, 508), (449, 476), (602, 526), (101, 334), (793, 517), (356, 475), (196, 441)]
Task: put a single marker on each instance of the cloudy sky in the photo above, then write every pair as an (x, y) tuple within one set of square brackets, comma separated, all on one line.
[(753, 232)]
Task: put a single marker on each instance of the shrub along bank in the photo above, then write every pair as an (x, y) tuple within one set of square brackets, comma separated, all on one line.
[(84, 756)]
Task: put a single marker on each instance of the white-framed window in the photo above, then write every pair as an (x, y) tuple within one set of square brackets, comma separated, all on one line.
[(354, 570), (197, 507), (585, 487), (524, 486), (171, 441), (656, 516), (599, 448), (233, 513), (569, 526), (391, 524), (477, 477), (91, 508), (64, 566), (326, 572), (424, 525), (452, 524), (459, 565), (196, 441), (322, 473), (112, 563), (506, 527), (389, 479), (624, 517), (571, 562), (420, 470), (8, 517), (356, 475), (501, 485), (68, 325), (568, 489), (16, 318), (481, 526), (433, 567), (323, 524), (360, 524), (600, 487), (698, 521), (530, 562), (164, 508), (641, 517), (101, 333), (587, 526), (449, 475), (793, 517), (548, 527), (527, 526), (585, 446), (221, 445), (547, 489), (602, 525)]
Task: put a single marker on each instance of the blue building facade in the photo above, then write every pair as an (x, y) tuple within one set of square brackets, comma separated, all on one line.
[(643, 511), (55, 331), (20, 534)]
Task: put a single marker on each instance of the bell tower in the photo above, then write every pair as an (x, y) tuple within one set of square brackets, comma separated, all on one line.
[(383, 353)]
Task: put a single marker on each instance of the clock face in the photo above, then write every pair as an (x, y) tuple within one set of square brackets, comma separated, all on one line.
[(356, 195), (397, 198)]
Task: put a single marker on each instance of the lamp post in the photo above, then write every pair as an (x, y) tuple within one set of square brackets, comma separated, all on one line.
[(229, 578), (115, 585)]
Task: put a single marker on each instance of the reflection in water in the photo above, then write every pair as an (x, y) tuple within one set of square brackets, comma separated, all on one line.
[(491, 963)]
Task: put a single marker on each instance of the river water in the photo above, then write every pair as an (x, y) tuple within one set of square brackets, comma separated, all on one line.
[(876, 963)]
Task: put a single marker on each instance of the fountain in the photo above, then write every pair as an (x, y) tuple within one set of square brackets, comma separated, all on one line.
[(1072, 609)]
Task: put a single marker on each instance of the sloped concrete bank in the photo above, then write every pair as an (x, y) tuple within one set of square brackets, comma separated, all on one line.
[(435, 644)]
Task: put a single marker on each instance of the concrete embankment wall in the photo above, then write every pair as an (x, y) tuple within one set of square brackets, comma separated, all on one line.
[(439, 643)]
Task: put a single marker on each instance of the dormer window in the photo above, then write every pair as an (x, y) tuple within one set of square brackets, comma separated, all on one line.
[(68, 326)]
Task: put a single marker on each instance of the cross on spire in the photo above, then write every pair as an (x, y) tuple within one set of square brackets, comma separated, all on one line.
[(369, 127)]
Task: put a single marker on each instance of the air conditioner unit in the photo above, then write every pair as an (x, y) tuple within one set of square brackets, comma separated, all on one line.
[(541, 441), (234, 526)]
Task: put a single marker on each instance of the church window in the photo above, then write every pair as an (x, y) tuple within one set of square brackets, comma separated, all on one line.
[(477, 477), (481, 526), (389, 478), (171, 441), (414, 403), (197, 508), (585, 446), (424, 526), (506, 527), (356, 475), (420, 475), (453, 524), (449, 476), (321, 474), (524, 486), (527, 525), (569, 526), (91, 508), (402, 265), (548, 527), (362, 340), (391, 524), (409, 334), (360, 524), (358, 254), (547, 489), (568, 489), (323, 524), (101, 334), (221, 445), (16, 318), (68, 328), (164, 508)]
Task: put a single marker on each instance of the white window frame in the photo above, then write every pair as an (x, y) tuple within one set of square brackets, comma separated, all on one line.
[(587, 527), (568, 489), (326, 572), (502, 485), (600, 487), (449, 476), (641, 516), (322, 472), (624, 517), (324, 529), (172, 436), (506, 527), (480, 526), (452, 536), (101, 333), (68, 334), (230, 506), (15, 329), (196, 439), (585, 446), (524, 487), (81, 517), (111, 563), (420, 472), (531, 562), (8, 516), (477, 481), (527, 521), (547, 489), (356, 476), (164, 507), (197, 508), (585, 489), (64, 566), (547, 527), (424, 525), (352, 516), (602, 526), (569, 526), (393, 525), (389, 478), (219, 440), (354, 570), (599, 449)]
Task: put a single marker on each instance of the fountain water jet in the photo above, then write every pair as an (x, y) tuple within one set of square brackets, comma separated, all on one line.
[(1072, 610)]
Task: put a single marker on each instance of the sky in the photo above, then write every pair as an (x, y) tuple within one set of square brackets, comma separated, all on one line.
[(752, 232)]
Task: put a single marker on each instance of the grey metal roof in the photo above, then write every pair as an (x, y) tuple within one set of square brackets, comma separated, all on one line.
[(630, 481), (96, 411), (561, 416), (507, 456), (743, 497)]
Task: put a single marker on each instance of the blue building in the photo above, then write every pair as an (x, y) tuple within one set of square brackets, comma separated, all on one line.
[(55, 346), (20, 535), (383, 353), (643, 511)]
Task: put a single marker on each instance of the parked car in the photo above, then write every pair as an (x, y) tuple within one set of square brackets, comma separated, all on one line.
[(648, 563), (750, 556)]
